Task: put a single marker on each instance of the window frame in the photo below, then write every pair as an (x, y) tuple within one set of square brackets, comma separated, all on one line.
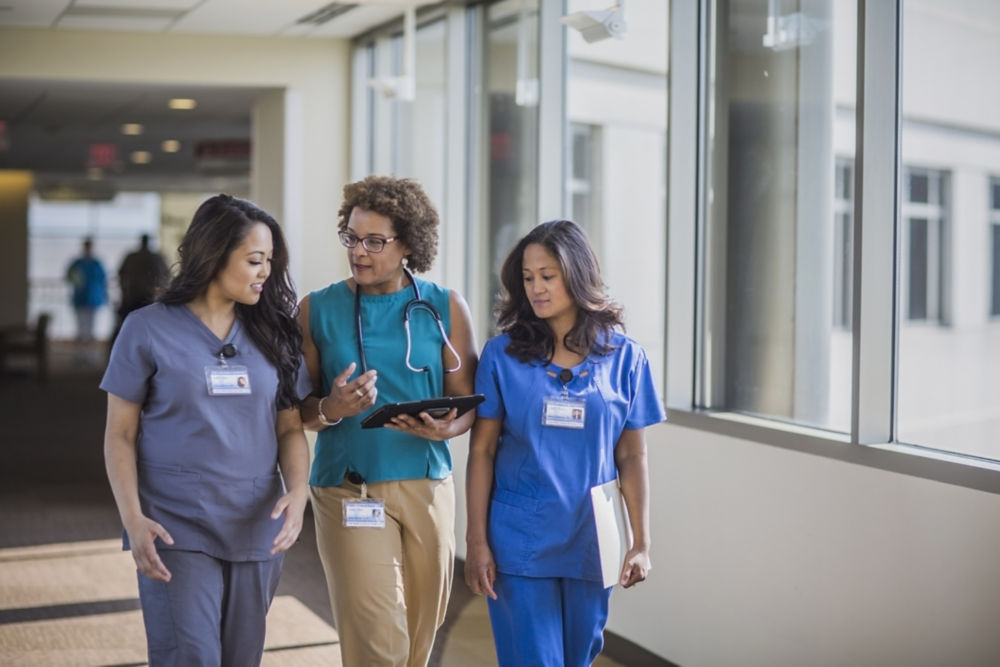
[(876, 272)]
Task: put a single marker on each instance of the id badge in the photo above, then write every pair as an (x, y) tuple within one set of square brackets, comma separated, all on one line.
[(227, 380), (564, 412), (364, 513)]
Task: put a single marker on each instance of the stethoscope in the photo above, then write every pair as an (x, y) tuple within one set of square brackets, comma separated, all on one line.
[(416, 303)]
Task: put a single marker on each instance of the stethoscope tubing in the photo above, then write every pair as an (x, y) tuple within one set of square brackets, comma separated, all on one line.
[(416, 303)]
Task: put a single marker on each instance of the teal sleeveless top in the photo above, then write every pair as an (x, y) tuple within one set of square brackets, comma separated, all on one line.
[(379, 454)]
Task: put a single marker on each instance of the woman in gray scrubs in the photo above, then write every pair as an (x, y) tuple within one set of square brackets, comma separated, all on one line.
[(204, 445)]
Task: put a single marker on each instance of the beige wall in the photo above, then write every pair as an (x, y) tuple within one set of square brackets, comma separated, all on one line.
[(312, 84), (15, 186)]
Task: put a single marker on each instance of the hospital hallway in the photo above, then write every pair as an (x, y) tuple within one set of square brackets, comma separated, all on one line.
[(68, 592)]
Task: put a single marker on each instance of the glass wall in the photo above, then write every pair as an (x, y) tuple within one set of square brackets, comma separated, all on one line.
[(400, 136), (509, 81), (781, 83), (616, 107), (949, 345)]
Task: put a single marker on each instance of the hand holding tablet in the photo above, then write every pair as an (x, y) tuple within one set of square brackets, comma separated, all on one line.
[(435, 407)]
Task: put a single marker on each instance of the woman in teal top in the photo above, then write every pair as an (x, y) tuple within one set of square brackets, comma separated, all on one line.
[(383, 499)]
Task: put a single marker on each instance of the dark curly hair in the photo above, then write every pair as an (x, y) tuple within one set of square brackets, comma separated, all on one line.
[(597, 315), (403, 201), (218, 227)]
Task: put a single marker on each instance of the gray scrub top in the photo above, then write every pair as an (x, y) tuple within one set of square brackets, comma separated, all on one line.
[(207, 465)]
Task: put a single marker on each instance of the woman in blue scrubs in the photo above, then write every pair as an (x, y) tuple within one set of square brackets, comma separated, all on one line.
[(204, 446), (567, 399)]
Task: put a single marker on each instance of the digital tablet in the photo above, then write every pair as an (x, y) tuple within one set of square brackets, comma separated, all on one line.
[(435, 407)]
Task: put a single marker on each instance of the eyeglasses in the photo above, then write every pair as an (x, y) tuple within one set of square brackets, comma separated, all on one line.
[(370, 243)]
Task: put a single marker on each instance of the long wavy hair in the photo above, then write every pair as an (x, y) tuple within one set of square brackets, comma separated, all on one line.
[(218, 227), (597, 314)]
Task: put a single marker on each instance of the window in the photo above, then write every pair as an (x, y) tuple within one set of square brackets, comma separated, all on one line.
[(582, 183), (510, 64), (995, 246), (615, 173), (775, 274), (843, 243), (947, 389), (924, 242)]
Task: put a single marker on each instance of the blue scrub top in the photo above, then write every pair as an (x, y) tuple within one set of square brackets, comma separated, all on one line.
[(207, 465), (379, 454), (541, 521)]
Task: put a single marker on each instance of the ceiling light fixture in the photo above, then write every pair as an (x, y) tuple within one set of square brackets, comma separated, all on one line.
[(327, 13), (182, 103), (141, 157), (132, 129), (170, 146)]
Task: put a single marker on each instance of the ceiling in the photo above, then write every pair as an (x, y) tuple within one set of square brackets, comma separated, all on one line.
[(70, 134)]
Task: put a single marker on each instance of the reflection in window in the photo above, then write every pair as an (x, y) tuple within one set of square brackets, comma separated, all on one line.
[(768, 345), (948, 393)]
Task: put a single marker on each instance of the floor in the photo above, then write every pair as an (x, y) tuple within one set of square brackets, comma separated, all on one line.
[(67, 591)]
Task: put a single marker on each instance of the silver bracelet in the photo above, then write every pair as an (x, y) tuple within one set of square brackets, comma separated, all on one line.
[(322, 418)]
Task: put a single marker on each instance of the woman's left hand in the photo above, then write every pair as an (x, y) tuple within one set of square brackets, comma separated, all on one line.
[(293, 506), (635, 568), (424, 426)]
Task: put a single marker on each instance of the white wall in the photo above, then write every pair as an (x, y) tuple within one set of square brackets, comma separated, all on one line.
[(770, 557), (312, 73)]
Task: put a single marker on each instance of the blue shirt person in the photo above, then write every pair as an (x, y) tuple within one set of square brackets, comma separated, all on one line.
[(567, 399), (204, 446), (89, 284)]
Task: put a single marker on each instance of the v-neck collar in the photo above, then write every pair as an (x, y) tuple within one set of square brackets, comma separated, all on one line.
[(230, 335)]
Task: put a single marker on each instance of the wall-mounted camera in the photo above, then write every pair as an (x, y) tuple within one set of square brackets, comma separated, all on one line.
[(597, 25)]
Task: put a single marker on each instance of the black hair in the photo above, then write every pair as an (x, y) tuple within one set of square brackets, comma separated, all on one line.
[(597, 314), (218, 227)]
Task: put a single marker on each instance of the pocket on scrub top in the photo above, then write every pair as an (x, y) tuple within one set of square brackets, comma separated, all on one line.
[(168, 490), (512, 523)]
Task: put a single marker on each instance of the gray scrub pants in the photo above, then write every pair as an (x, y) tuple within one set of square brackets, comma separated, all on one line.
[(212, 612)]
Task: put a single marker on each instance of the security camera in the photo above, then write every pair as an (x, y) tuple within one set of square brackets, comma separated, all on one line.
[(598, 25)]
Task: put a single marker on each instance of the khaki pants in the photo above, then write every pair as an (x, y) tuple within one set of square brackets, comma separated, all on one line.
[(389, 586)]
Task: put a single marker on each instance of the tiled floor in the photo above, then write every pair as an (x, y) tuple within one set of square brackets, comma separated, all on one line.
[(67, 591)]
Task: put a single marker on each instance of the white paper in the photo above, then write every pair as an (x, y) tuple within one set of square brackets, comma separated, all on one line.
[(614, 533)]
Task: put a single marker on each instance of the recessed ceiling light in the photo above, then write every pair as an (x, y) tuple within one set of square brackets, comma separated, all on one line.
[(132, 129), (182, 103), (170, 146), (141, 157)]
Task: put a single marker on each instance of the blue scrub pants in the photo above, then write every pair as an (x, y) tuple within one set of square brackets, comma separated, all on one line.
[(212, 612), (547, 622)]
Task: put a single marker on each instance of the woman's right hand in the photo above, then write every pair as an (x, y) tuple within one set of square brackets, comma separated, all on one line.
[(142, 533), (347, 399), (480, 569)]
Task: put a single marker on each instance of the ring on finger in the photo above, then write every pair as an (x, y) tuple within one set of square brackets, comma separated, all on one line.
[(359, 393)]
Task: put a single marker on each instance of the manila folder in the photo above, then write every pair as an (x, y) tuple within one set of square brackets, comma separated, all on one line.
[(614, 533)]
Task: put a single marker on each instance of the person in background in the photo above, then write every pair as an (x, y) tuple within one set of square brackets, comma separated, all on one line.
[(383, 499), (89, 282), (204, 446), (567, 399), (142, 274)]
